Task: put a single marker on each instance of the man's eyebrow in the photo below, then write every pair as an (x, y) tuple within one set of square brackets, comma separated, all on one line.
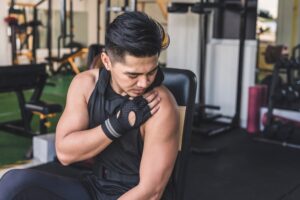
[(136, 73)]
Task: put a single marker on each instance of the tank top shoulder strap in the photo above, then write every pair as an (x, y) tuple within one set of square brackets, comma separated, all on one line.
[(103, 80), (96, 103)]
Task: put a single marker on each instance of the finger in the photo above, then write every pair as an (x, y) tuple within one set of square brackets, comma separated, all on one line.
[(154, 109), (149, 94), (151, 97), (154, 102)]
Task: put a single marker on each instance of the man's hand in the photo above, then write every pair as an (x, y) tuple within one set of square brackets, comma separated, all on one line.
[(132, 114)]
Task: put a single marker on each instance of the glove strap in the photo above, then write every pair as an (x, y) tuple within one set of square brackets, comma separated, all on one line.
[(109, 131)]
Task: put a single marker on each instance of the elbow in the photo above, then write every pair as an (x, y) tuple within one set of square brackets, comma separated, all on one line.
[(156, 193), (63, 158), (61, 153), (153, 193)]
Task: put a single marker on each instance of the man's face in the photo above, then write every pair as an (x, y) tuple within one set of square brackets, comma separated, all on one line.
[(133, 76)]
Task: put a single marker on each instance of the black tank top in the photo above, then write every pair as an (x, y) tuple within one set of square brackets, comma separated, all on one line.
[(116, 169), (123, 155)]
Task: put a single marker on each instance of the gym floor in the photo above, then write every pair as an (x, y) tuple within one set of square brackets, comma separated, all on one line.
[(242, 168)]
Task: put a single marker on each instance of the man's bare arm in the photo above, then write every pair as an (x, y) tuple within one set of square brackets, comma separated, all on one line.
[(73, 141), (160, 151)]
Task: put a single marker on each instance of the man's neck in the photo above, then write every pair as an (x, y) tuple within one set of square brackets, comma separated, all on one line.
[(117, 89)]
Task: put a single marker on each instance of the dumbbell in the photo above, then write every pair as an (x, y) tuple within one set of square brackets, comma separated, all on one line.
[(284, 131), (296, 85), (280, 127), (280, 94), (292, 95)]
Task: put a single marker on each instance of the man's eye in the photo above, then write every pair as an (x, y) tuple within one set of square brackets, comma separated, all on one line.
[(132, 76), (151, 73)]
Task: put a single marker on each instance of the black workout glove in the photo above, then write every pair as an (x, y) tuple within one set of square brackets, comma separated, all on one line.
[(117, 125)]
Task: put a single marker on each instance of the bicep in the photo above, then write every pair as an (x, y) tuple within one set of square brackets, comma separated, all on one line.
[(160, 146), (75, 115)]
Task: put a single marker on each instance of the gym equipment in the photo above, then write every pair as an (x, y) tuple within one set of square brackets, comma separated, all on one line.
[(268, 82), (256, 99), (129, 5), (26, 31), (98, 21), (284, 96), (206, 123), (282, 128), (19, 78), (281, 143), (44, 111), (66, 61)]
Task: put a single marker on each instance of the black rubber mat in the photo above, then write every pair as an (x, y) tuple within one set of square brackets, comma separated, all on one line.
[(241, 168)]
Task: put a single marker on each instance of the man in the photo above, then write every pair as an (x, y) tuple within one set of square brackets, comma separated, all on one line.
[(121, 116)]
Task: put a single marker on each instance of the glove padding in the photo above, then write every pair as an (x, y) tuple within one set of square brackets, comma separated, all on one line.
[(118, 124)]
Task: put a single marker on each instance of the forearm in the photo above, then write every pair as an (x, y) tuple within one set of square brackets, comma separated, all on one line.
[(80, 145)]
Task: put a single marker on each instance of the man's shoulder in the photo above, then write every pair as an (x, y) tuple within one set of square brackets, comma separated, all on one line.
[(167, 105), (90, 76), (166, 95), (167, 116), (85, 82)]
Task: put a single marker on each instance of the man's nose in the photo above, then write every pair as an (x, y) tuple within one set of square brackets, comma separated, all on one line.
[(143, 81)]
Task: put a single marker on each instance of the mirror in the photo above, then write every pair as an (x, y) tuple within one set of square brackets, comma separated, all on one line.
[(266, 34), (277, 25)]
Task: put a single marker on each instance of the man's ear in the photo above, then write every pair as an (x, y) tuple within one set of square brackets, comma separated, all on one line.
[(106, 61)]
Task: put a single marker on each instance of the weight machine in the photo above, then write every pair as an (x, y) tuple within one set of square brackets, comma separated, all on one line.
[(17, 29), (205, 123), (284, 96), (128, 5), (76, 49)]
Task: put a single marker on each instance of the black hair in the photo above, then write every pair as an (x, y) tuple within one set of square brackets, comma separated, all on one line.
[(134, 33)]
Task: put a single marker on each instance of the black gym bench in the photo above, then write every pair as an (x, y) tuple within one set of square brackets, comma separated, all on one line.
[(19, 78)]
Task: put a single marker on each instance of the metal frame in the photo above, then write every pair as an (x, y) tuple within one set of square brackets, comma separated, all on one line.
[(127, 7), (203, 8)]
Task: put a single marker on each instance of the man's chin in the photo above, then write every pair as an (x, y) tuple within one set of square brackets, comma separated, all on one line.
[(135, 94)]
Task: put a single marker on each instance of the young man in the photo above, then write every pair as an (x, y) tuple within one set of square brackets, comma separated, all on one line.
[(121, 116)]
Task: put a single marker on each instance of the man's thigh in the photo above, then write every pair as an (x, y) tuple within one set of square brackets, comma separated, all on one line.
[(32, 184)]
